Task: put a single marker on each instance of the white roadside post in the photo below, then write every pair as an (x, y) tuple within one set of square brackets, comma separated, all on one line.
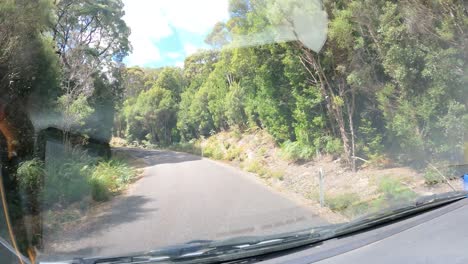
[(322, 195)]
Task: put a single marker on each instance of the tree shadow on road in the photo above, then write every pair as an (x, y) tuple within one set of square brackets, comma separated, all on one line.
[(120, 211), (141, 158)]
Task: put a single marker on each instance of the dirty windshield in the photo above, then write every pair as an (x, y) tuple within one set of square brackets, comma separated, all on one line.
[(133, 125)]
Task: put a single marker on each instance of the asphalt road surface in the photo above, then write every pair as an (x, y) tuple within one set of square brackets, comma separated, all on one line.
[(180, 198)]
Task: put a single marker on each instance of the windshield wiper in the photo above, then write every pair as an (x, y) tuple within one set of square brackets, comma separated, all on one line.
[(220, 251), (247, 247)]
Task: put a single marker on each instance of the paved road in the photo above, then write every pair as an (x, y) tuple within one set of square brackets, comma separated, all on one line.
[(182, 198)]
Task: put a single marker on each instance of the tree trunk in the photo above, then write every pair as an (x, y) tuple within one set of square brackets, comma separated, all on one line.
[(350, 107), (335, 110)]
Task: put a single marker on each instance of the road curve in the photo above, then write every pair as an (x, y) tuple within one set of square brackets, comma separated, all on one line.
[(180, 198)]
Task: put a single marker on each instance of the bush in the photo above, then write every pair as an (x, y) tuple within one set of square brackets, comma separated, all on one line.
[(30, 174), (66, 177), (235, 153), (257, 167), (333, 146), (70, 176), (110, 177), (296, 151), (394, 192), (357, 209), (342, 201), (431, 177), (276, 174), (213, 149)]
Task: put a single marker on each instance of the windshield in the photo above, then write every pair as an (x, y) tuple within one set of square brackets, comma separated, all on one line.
[(129, 126)]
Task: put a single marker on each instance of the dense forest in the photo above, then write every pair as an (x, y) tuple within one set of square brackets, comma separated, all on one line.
[(390, 83)]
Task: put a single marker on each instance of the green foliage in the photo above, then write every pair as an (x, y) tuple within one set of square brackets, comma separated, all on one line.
[(431, 177), (342, 201), (66, 177), (213, 149), (371, 143), (383, 83), (394, 191), (333, 146), (235, 108), (276, 174), (110, 177), (30, 175), (75, 111), (73, 175), (296, 151), (256, 166), (151, 116), (235, 153)]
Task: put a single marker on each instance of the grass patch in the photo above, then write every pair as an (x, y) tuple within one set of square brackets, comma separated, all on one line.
[(256, 166), (71, 176), (433, 177), (296, 151), (110, 177), (235, 153), (340, 202), (349, 205), (276, 174), (66, 177), (213, 149), (394, 190)]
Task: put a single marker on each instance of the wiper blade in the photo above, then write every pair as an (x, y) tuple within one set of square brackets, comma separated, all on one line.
[(219, 251), (399, 211)]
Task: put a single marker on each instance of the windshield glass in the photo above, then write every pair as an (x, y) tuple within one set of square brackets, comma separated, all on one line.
[(128, 126)]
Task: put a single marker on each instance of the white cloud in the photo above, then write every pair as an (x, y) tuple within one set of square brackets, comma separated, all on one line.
[(190, 49), (195, 16), (152, 20), (144, 52), (174, 55)]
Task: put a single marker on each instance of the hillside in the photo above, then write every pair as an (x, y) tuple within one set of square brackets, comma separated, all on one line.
[(347, 194)]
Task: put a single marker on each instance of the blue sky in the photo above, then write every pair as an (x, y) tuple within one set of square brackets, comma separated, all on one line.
[(164, 32)]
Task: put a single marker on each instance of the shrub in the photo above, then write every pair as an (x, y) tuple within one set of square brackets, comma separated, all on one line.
[(333, 146), (394, 192), (431, 177), (296, 151), (235, 153), (99, 189), (110, 177), (276, 174), (358, 209), (31, 174), (213, 149), (255, 166), (66, 177), (342, 201)]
